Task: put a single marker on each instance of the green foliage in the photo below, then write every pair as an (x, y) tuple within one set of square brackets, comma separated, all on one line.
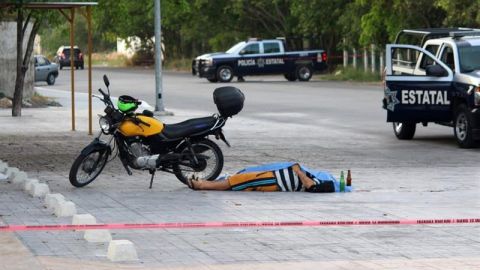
[(193, 27), (126, 18), (460, 12), (54, 37)]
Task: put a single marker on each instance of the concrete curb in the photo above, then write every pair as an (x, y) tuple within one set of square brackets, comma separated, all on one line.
[(118, 250), (121, 250), (28, 184), (11, 172), (20, 178), (65, 209), (39, 190), (52, 200), (3, 166), (92, 236)]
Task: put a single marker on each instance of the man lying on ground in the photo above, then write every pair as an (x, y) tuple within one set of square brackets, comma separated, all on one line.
[(273, 177)]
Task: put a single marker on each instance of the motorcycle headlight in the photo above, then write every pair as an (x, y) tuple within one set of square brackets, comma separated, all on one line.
[(104, 124)]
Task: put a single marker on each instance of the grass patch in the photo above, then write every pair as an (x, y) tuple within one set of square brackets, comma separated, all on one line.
[(109, 59), (352, 74), (39, 101), (119, 60), (182, 64)]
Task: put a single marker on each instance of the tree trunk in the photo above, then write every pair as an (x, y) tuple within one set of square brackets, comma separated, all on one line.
[(23, 61), (18, 94)]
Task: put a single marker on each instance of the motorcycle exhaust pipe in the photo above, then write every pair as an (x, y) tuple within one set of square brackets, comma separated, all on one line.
[(149, 162)]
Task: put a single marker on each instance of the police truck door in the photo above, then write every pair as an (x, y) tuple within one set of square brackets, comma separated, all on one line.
[(416, 92), (248, 62)]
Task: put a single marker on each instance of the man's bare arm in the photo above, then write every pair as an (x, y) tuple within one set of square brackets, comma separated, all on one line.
[(306, 181)]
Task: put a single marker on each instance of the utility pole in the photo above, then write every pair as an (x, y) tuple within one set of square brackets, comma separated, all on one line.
[(159, 107)]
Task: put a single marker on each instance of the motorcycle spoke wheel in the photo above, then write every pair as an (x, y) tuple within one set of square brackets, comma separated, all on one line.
[(87, 167), (210, 162)]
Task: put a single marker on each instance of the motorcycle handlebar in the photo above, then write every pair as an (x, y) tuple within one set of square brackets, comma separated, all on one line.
[(106, 98), (101, 91)]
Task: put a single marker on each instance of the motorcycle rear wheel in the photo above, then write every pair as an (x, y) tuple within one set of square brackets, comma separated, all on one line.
[(210, 159), (87, 167)]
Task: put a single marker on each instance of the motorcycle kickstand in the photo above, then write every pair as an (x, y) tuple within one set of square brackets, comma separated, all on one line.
[(152, 172)]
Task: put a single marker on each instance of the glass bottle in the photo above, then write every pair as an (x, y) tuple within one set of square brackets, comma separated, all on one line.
[(342, 182)]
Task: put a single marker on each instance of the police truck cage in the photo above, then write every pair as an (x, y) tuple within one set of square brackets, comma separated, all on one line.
[(432, 33)]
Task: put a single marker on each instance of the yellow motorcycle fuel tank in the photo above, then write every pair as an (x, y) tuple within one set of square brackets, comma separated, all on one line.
[(129, 128)]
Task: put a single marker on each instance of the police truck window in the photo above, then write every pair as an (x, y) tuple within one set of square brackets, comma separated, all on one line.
[(252, 49), (271, 47)]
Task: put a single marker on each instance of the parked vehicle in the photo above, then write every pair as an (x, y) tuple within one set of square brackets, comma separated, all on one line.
[(145, 143), (438, 82), (259, 57), (44, 70), (63, 57)]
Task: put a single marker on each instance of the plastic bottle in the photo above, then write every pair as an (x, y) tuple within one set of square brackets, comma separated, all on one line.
[(349, 178), (342, 182)]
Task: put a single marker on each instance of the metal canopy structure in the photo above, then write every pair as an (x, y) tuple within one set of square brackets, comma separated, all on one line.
[(68, 10)]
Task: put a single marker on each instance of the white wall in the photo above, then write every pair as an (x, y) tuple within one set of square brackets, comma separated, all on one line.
[(8, 60)]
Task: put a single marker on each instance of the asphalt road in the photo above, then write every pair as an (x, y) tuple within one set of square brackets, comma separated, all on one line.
[(350, 105)]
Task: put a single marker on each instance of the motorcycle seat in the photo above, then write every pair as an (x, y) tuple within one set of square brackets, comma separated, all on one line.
[(189, 127)]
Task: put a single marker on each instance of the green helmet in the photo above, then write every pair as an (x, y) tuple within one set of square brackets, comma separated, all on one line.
[(127, 104)]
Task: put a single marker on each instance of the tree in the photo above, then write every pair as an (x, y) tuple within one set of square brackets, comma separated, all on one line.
[(24, 18), (320, 19), (460, 12), (23, 59), (126, 18), (384, 19)]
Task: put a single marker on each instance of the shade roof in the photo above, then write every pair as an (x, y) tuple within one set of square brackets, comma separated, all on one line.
[(51, 5)]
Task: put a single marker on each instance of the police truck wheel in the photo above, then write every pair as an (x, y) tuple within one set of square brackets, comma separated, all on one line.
[(404, 130), (224, 74), (290, 77), (463, 127), (304, 73)]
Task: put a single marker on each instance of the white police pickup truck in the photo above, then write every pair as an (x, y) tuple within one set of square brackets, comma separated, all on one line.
[(259, 57), (438, 82)]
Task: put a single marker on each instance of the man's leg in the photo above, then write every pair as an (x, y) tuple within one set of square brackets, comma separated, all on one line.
[(211, 185), (261, 181)]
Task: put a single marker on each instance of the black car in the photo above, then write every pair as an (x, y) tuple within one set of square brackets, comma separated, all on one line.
[(63, 57)]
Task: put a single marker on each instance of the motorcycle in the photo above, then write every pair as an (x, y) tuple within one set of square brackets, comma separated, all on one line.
[(145, 143)]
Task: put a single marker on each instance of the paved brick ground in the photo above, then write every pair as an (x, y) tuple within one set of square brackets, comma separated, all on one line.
[(425, 178)]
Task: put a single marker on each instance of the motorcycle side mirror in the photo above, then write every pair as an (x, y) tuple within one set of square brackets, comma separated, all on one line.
[(106, 81)]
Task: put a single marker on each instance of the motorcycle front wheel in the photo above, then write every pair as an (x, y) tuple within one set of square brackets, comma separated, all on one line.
[(87, 167), (210, 162)]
